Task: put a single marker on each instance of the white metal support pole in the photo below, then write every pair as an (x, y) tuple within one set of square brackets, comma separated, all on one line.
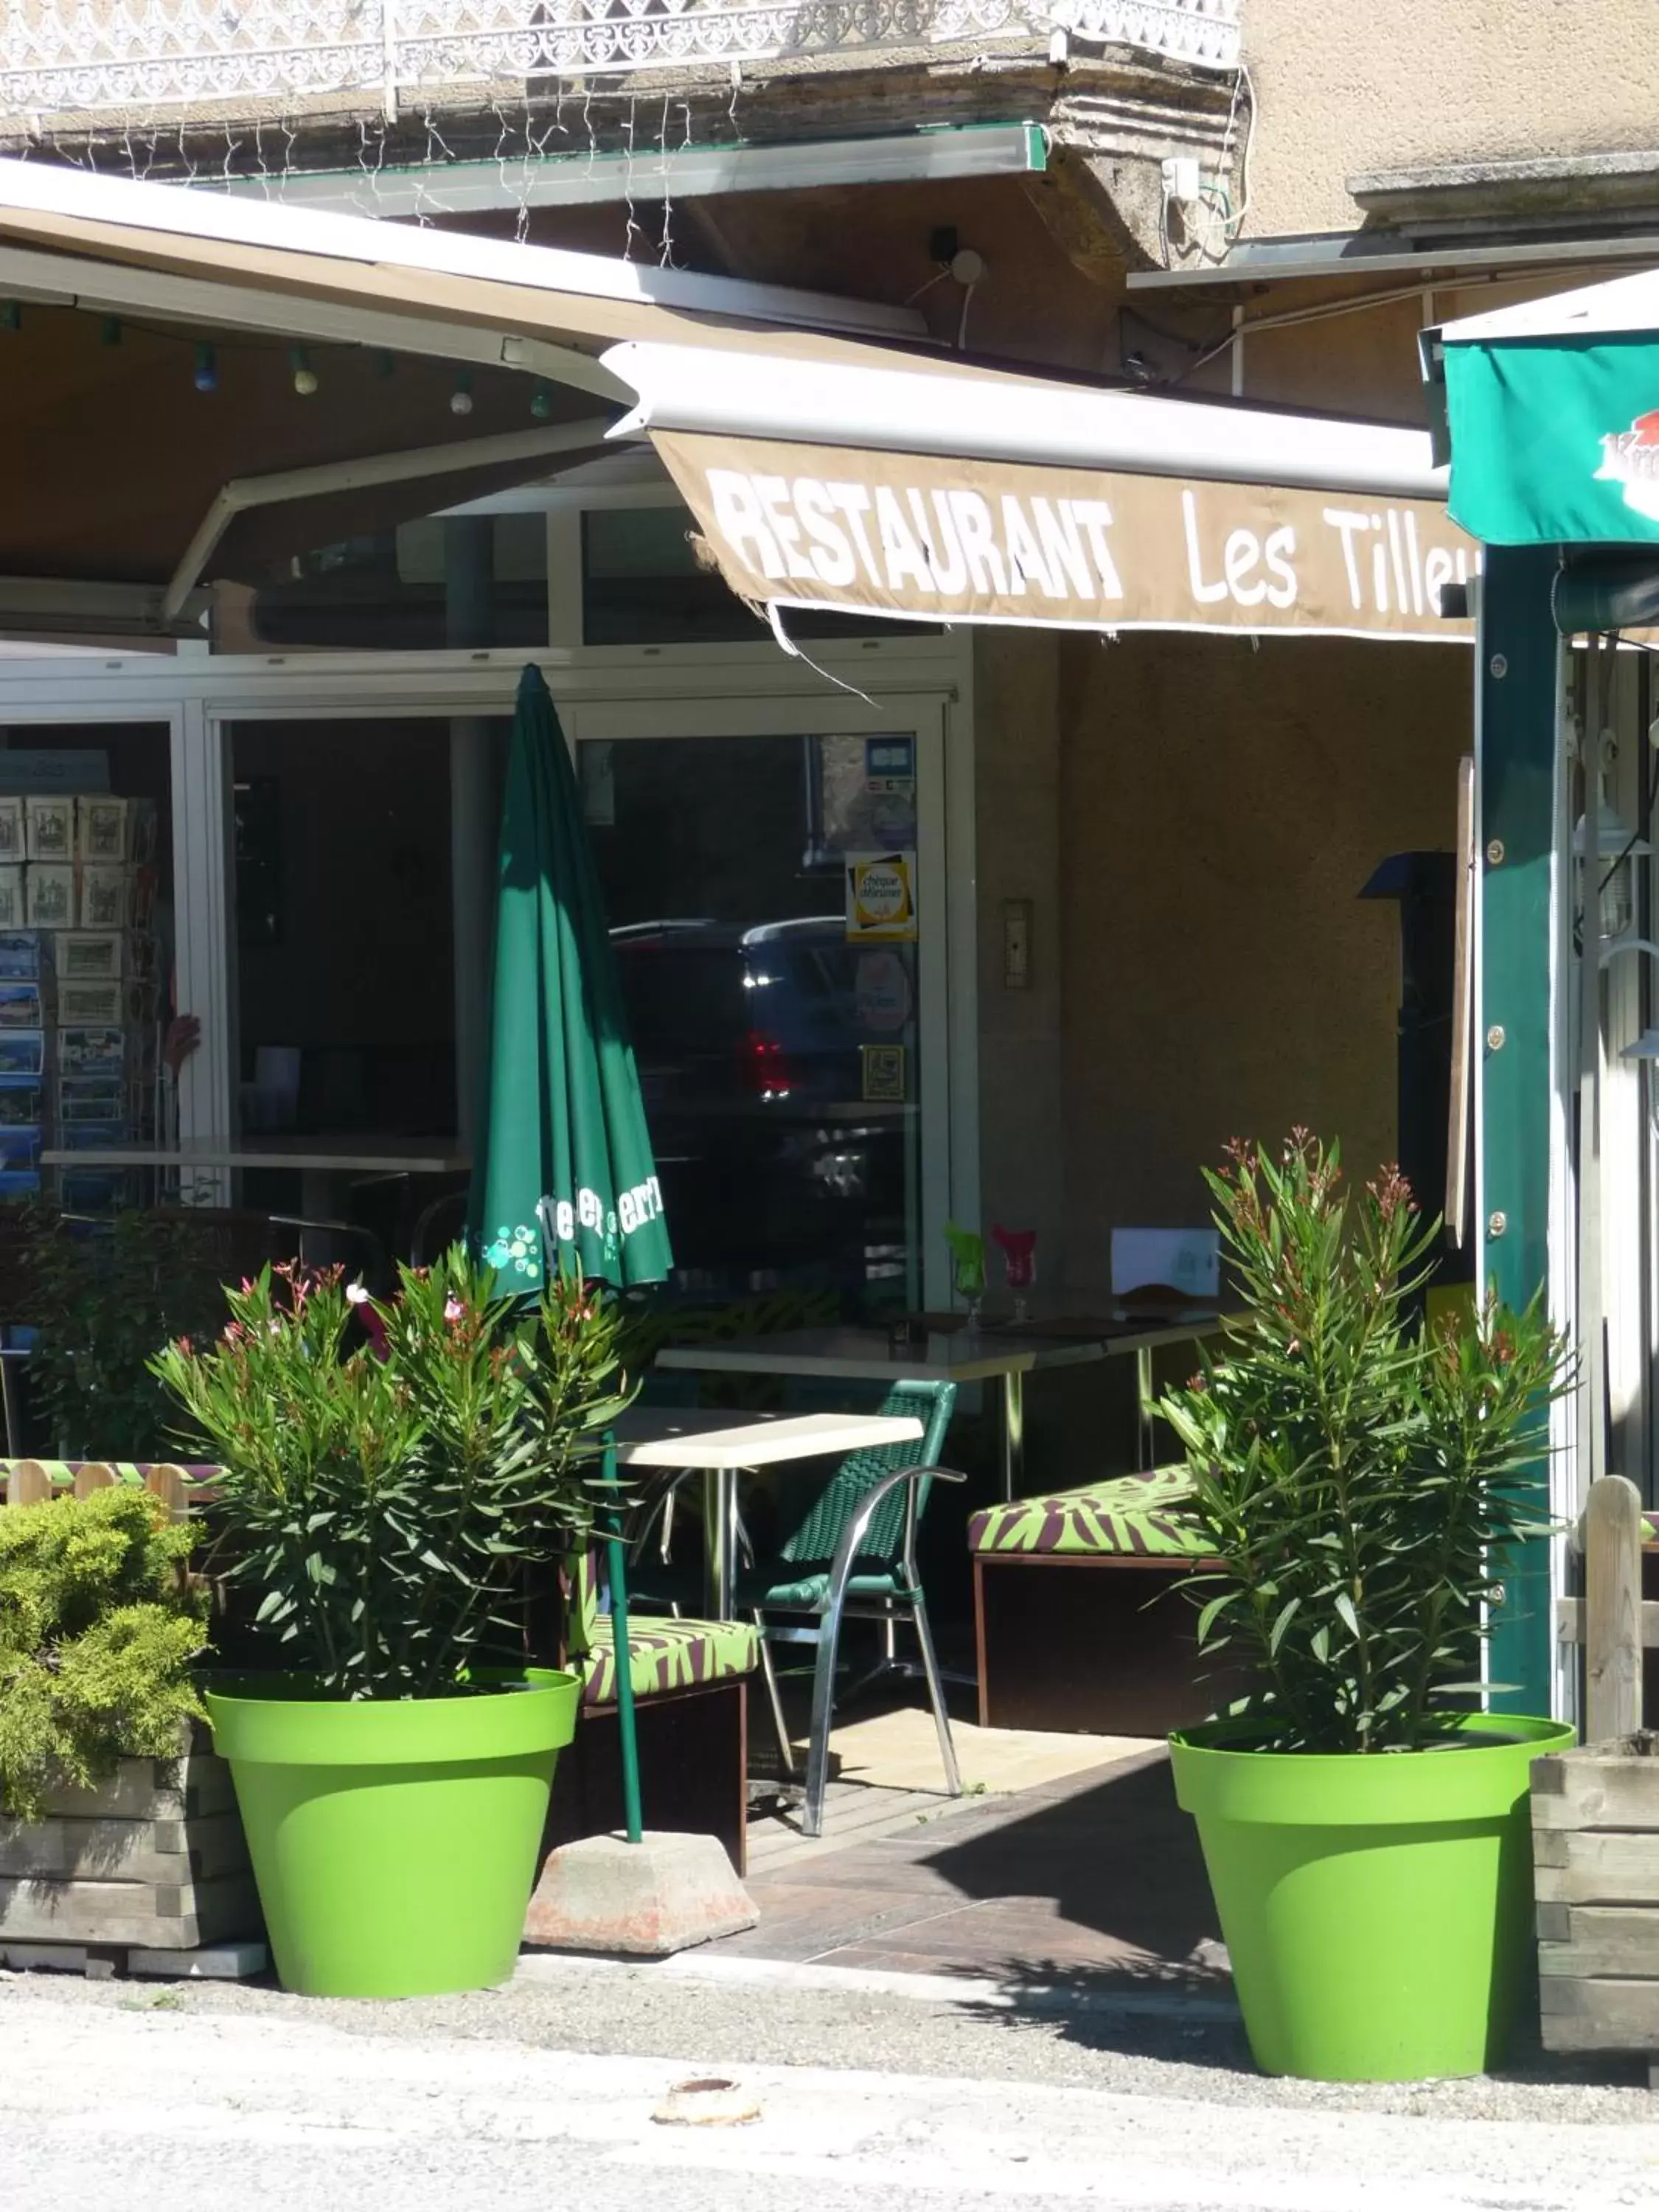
[(473, 811), (203, 914), (1593, 1380)]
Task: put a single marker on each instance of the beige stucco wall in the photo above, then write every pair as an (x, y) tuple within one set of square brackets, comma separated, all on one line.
[(1193, 819), (1018, 801), (1344, 89)]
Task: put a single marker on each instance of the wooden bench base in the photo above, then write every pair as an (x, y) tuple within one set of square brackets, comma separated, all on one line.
[(1092, 1645), (693, 1750)]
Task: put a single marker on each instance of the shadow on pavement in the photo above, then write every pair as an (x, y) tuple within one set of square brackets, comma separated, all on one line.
[(1115, 1856)]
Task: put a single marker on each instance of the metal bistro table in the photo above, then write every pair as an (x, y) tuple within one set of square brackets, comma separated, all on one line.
[(721, 1446), (1006, 1354), (318, 1161)]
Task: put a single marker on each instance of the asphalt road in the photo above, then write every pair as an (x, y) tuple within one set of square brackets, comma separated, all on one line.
[(203, 2101)]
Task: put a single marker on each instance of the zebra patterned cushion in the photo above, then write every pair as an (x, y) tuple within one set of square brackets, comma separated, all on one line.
[(1137, 1514), (666, 1654)]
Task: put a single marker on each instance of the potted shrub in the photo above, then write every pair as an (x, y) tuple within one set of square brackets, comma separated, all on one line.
[(115, 1827), (391, 1475), (99, 1622), (1359, 1477)]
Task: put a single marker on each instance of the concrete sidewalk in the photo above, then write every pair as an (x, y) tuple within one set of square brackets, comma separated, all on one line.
[(488, 2103)]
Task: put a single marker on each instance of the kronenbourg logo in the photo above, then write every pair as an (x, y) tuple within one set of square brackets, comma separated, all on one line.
[(1631, 458)]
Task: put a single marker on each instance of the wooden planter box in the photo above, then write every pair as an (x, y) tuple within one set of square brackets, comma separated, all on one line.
[(153, 1858), (1595, 1852)]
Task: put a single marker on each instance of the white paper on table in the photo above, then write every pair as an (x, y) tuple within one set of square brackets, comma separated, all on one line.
[(1184, 1260)]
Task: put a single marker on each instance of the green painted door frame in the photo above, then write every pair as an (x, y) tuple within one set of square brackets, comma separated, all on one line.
[(1518, 691)]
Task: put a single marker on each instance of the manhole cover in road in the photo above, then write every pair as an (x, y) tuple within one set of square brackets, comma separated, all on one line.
[(710, 2102)]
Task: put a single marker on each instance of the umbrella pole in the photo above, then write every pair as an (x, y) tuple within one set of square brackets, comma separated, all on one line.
[(618, 1570)]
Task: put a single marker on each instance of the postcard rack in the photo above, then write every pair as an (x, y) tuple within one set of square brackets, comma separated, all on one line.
[(79, 990)]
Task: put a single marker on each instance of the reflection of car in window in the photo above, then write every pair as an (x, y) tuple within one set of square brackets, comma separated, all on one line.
[(748, 1047)]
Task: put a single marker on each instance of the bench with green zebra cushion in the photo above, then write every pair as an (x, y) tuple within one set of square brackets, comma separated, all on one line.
[(691, 1717), (666, 1655), (1080, 1617), (1132, 1514)]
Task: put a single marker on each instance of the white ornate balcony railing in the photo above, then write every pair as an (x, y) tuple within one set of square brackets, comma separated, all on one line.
[(103, 57)]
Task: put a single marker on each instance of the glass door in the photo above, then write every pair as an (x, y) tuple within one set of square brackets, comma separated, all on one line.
[(775, 893)]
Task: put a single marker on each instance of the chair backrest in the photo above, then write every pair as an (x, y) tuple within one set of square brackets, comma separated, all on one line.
[(439, 1225), (815, 1536)]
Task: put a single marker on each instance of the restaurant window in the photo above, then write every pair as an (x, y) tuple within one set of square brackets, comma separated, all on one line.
[(642, 584), (778, 1048), (442, 580), (345, 928), (86, 957)]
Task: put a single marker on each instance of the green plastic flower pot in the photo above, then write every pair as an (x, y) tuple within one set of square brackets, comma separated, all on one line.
[(1377, 1910), (394, 1843)]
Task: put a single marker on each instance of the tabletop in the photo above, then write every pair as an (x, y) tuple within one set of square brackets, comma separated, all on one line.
[(955, 1355), (649, 1436), (365, 1155), (863, 1355)]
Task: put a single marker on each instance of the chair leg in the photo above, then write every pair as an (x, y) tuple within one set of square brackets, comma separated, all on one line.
[(936, 1697), (786, 1749), (824, 1713)]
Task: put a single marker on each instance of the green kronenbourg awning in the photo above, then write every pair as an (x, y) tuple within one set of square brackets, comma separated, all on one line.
[(1554, 439), (562, 1167)]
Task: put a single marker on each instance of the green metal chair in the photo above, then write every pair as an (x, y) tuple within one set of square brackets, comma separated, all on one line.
[(852, 1554)]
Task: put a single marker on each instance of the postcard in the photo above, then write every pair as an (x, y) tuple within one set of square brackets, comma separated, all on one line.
[(20, 1100), (100, 829), (22, 1051), (11, 899), (88, 956), (49, 828), (49, 895), (90, 1102), (11, 829), (19, 1005), (105, 895), (20, 1144), (83, 1003), (95, 1136), (90, 1190), (90, 1051), (20, 956)]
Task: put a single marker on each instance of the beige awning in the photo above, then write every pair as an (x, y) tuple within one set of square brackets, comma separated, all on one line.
[(922, 537), (826, 465), (1017, 501)]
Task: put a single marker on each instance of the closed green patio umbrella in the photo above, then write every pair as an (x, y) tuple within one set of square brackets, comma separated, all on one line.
[(563, 1171)]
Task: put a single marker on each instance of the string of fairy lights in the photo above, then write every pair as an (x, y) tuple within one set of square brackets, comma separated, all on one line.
[(205, 363), (263, 153), (560, 125)]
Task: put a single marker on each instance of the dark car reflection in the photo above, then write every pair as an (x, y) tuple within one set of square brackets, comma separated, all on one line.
[(773, 1169)]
